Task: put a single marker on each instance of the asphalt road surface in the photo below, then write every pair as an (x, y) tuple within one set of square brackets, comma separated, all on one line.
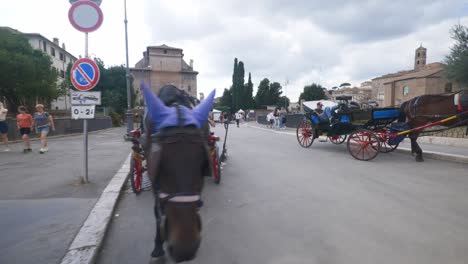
[(279, 203), (42, 204)]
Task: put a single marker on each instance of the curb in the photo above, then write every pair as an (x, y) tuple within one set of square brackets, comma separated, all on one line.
[(439, 155), (85, 246), (426, 154)]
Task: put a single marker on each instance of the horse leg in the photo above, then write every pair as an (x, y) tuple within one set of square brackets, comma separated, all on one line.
[(415, 147), (158, 254)]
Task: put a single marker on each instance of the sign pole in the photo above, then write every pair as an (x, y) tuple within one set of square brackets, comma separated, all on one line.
[(85, 127)]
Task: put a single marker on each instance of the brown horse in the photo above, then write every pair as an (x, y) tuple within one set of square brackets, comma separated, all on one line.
[(177, 156), (425, 109)]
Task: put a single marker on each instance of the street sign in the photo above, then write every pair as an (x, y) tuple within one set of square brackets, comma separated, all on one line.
[(85, 16), (84, 74), (85, 98), (98, 2), (83, 111)]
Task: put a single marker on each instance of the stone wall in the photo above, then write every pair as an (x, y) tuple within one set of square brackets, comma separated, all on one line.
[(63, 126)]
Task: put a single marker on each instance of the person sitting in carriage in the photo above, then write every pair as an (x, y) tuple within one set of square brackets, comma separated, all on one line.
[(324, 115)]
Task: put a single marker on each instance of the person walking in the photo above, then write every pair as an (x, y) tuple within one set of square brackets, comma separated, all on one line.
[(43, 122), (276, 114), (4, 127), (238, 117), (24, 123)]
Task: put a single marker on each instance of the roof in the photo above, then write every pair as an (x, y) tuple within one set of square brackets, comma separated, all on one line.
[(417, 74), (40, 36), (163, 46)]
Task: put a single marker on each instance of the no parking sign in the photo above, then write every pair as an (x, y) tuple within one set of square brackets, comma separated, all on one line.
[(85, 74)]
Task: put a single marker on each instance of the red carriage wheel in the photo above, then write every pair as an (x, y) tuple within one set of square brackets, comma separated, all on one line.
[(305, 133), (136, 174), (383, 135), (363, 145), (216, 166), (337, 139)]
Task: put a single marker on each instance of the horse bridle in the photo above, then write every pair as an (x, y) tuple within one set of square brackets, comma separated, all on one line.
[(170, 137)]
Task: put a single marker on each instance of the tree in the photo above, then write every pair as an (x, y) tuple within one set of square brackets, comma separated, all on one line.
[(457, 60), (283, 102), (249, 102), (226, 99), (268, 93), (26, 75), (312, 92), (241, 102)]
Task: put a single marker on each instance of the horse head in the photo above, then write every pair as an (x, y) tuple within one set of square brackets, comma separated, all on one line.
[(177, 155)]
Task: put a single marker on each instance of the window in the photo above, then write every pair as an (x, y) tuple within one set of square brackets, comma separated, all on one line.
[(165, 51), (62, 73), (405, 91), (44, 46), (62, 57), (189, 88), (417, 62), (418, 55), (52, 52)]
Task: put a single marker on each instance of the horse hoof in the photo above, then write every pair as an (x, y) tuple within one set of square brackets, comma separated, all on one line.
[(419, 159), (158, 260)]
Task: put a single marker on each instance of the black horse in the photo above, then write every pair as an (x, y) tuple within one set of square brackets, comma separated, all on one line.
[(177, 156), (424, 109)]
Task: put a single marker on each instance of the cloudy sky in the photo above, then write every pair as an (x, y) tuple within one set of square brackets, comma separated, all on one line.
[(303, 41)]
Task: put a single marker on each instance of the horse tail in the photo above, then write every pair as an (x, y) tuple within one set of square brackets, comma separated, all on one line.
[(402, 117)]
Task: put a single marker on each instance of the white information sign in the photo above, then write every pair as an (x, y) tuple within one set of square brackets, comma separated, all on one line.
[(85, 98), (83, 111)]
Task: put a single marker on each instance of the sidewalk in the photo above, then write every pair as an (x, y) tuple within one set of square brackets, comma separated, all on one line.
[(443, 152), (42, 203)]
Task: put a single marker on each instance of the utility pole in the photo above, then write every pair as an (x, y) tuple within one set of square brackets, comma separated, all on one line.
[(127, 74)]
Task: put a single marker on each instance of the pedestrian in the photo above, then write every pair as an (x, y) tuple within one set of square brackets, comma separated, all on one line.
[(4, 127), (43, 122), (270, 119), (283, 120), (276, 114), (24, 122), (238, 117)]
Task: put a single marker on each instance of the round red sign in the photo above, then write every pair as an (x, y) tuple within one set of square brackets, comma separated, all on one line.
[(85, 16), (84, 74)]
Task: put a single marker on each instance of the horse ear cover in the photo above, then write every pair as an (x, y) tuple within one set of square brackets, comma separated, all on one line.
[(156, 108), (200, 113), (159, 112)]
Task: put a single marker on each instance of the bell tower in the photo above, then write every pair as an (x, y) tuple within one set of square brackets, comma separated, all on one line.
[(420, 58)]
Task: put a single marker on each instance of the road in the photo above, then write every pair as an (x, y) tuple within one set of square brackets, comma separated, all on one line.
[(279, 203), (42, 204)]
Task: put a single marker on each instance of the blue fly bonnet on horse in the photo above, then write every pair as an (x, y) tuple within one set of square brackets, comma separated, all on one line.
[(162, 116)]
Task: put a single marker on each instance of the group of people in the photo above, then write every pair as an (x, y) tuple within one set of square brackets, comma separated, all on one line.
[(277, 119), (42, 122)]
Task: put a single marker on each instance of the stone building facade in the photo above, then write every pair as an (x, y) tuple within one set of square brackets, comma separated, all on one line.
[(163, 65), (396, 88)]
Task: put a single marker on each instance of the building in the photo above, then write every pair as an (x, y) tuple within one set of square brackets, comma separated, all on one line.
[(360, 95), (396, 88), (163, 65), (60, 58)]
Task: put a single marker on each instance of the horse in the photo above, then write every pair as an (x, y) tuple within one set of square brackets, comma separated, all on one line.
[(425, 109), (177, 158)]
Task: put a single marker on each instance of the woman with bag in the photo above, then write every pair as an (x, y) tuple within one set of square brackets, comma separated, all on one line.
[(43, 122)]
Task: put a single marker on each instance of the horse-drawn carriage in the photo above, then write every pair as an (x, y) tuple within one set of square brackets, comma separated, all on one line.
[(371, 131), (366, 130)]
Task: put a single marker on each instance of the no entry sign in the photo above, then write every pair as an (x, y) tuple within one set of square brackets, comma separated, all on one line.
[(84, 74), (85, 16)]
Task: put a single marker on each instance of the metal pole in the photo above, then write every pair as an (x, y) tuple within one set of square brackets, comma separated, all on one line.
[(129, 94), (85, 127)]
